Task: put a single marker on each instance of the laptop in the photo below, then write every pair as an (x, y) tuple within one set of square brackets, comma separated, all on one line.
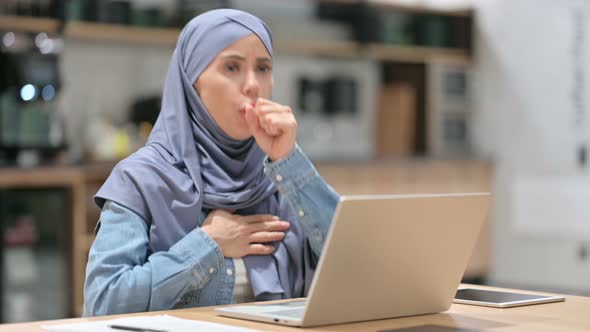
[(384, 257)]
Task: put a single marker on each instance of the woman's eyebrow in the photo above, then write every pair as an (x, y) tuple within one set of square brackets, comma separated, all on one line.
[(233, 56), (242, 58)]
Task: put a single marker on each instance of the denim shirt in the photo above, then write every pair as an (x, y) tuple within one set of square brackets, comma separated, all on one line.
[(122, 276)]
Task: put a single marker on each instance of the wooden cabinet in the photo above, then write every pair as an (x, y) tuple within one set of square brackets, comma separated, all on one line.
[(71, 179), (81, 184)]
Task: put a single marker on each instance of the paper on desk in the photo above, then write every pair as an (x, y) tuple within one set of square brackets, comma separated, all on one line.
[(161, 322)]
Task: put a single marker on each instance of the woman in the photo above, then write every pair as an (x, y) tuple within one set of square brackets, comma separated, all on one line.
[(220, 206)]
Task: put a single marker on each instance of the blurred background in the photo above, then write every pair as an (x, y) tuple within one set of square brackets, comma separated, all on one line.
[(392, 96)]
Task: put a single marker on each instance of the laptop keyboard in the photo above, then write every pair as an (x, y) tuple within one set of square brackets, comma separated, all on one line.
[(290, 304), (293, 313)]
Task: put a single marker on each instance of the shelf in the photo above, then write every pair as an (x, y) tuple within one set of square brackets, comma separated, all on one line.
[(415, 54), (341, 2), (45, 177), (121, 33), (317, 47), (420, 9), (30, 24), (167, 37), (398, 5)]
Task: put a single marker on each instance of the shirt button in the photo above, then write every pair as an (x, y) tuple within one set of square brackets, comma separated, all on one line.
[(229, 272), (211, 270), (301, 213), (279, 177)]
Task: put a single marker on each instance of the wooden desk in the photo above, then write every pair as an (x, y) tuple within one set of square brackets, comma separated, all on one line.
[(568, 316)]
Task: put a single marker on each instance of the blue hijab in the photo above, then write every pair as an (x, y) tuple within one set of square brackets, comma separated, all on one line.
[(189, 165)]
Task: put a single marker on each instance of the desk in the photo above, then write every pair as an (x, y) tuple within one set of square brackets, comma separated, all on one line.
[(569, 316)]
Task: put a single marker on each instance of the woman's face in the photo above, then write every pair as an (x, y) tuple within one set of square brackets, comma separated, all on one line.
[(238, 75)]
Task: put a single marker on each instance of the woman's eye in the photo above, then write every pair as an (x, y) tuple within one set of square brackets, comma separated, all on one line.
[(265, 68), (232, 67)]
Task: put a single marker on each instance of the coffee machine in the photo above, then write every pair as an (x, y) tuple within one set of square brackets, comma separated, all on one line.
[(31, 129)]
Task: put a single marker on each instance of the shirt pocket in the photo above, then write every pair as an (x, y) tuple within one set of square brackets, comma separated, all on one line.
[(188, 300)]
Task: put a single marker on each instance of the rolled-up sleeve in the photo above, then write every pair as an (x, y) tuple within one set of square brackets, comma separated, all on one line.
[(311, 198)]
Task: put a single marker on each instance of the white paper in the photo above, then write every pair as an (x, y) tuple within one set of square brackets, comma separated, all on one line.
[(161, 322)]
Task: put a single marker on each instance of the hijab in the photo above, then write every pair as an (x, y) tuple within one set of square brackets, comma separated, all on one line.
[(189, 165)]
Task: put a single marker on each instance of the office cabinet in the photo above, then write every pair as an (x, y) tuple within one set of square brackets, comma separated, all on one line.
[(35, 254), (63, 200)]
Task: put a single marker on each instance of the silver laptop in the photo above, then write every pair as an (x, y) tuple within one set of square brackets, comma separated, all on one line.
[(384, 257)]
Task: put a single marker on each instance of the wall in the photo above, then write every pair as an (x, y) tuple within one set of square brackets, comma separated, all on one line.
[(531, 77)]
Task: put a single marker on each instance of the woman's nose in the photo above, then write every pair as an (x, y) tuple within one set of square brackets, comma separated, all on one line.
[(251, 86)]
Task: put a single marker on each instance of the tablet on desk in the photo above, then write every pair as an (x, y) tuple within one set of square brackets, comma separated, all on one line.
[(498, 299)]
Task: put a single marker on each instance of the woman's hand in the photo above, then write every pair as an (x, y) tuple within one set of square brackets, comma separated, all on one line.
[(239, 236), (273, 126)]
